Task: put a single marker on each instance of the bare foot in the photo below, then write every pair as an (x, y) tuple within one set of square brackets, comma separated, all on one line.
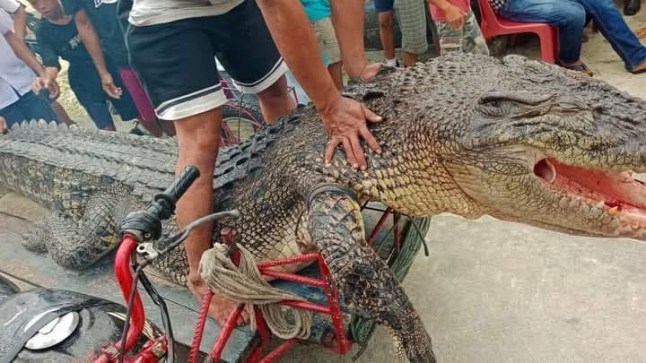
[(220, 308)]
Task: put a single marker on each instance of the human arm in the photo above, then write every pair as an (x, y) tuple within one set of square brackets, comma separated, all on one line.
[(24, 53), (44, 79), (343, 118), (93, 46), (50, 63), (18, 15), (348, 21), (454, 15), (20, 22)]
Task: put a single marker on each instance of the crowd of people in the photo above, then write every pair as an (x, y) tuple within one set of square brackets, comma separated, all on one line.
[(155, 62)]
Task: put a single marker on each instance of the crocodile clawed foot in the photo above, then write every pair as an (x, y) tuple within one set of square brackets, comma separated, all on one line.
[(34, 239), (415, 343)]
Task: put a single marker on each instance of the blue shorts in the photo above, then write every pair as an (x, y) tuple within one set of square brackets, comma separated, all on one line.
[(382, 6), (29, 107)]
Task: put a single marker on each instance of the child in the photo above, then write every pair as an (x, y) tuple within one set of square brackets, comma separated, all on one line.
[(454, 18), (94, 81)]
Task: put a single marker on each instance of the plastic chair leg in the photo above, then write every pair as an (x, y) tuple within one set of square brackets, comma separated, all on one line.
[(548, 47)]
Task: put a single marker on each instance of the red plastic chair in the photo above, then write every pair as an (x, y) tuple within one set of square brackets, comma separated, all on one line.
[(491, 26)]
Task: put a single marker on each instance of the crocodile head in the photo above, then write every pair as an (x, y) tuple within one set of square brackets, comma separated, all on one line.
[(548, 147)]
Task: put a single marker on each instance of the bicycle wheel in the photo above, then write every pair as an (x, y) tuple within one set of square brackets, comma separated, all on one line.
[(240, 121)]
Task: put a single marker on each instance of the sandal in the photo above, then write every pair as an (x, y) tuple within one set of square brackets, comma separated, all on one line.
[(581, 67)]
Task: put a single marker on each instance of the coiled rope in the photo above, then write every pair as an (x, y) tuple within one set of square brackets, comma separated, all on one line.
[(244, 284)]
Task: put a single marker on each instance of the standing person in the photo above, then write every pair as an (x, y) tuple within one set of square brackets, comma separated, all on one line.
[(319, 14), (102, 17), (93, 79), (411, 15), (172, 45), (455, 17), (17, 73)]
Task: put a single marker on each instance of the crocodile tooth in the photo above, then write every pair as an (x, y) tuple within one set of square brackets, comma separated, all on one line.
[(575, 202), (613, 211)]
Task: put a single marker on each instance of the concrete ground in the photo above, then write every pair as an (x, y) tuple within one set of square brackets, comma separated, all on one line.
[(500, 292)]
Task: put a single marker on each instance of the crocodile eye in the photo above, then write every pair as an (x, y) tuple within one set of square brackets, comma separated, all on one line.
[(491, 109), (498, 104)]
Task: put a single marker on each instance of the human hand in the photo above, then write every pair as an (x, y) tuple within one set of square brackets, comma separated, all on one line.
[(220, 308), (454, 17), (370, 71), (45, 83), (345, 120), (109, 87)]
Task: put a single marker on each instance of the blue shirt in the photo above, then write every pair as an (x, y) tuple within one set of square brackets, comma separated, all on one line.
[(317, 9)]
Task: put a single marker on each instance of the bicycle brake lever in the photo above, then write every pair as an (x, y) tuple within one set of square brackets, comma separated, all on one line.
[(147, 251)]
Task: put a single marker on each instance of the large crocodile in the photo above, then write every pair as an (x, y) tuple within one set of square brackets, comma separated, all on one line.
[(471, 135)]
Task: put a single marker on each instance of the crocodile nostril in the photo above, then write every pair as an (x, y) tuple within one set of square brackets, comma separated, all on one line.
[(598, 108)]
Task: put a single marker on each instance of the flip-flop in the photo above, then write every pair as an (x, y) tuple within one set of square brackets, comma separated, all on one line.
[(578, 67)]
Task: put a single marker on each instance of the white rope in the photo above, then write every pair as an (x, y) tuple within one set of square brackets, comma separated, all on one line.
[(245, 284)]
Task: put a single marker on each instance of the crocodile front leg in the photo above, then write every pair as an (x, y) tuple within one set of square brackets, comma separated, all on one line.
[(79, 243), (364, 280)]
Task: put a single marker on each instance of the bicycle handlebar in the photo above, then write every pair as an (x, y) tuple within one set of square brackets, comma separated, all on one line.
[(175, 191), (146, 224)]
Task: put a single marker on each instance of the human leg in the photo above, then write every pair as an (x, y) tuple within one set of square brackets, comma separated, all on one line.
[(613, 27), (35, 107), (567, 16), (247, 51), (183, 86), (142, 103), (61, 113), (385, 17), (86, 85), (12, 114), (411, 15), (330, 47), (473, 41)]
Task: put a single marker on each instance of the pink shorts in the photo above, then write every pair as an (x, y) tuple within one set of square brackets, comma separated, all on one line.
[(138, 94)]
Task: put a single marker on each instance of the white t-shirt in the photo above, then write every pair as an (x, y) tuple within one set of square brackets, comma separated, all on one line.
[(151, 12), (9, 5), (15, 75)]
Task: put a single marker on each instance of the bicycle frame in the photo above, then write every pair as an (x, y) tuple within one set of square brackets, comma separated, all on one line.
[(152, 350), (146, 225)]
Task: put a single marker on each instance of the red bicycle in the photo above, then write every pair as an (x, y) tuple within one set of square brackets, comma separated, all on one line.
[(48, 325)]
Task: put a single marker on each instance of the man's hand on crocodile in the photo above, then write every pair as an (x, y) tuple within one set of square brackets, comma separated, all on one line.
[(345, 121)]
